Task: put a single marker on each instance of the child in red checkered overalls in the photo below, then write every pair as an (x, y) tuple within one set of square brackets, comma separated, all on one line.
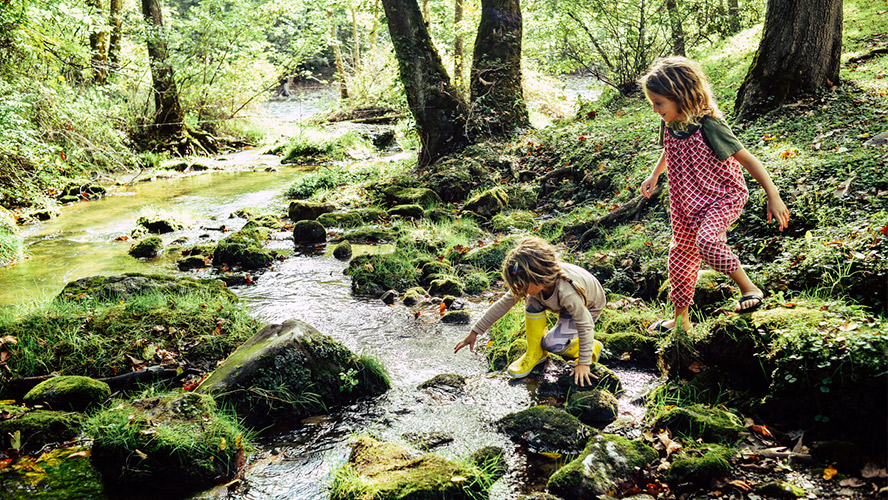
[(707, 190)]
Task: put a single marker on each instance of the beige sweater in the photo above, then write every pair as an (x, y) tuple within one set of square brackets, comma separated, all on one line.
[(564, 298)]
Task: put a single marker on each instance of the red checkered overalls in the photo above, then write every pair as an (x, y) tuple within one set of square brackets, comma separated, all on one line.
[(706, 195)]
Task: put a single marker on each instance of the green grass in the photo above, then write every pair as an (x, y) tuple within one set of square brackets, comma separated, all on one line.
[(101, 338)]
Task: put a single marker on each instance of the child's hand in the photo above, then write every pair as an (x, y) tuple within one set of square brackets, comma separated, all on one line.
[(468, 341), (583, 375), (777, 210), (647, 187)]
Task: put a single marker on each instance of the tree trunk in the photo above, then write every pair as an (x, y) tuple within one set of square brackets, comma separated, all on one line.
[(498, 105), (733, 16), (375, 29), (356, 50), (426, 12), (116, 22), (800, 51), (457, 44), (168, 114), (434, 102), (678, 36), (337, 55), (97, 47)]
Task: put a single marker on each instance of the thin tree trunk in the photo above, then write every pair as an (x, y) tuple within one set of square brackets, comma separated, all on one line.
[(426, 12), (168, 114), (98, 47), (457, 44), (434, 102), (337, 55), (116, 22), (800, 52), (498, 105), (733, 16), (375, 30), (678, 36), (356, 50)]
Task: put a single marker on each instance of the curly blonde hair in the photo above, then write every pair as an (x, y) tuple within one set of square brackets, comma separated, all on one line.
[(532, 261), (682, 81)]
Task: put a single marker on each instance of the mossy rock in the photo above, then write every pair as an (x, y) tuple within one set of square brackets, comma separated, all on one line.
[(372, 215), (397, 195), (476, 282), (780, 489), (147, 248), (309, 232), (192, 262), (606, 459), (488, 203), (456, 317), (61, 474), (342, 250), (490, 257), (413, 296), (641, 348), (245, 248), (175, 442), (447, 381), (546, 429), (410, 211), (158, 225), (307, 210), (595, 408), (267, 221), (291, 370), (69, 392), (700, 466), (435, 267), (134, 284), (341, 219), (448, 285), (505, 223), (455, 177), (386, 471), (37, 428), (563, 384), (522, 196), (374, 274), (698, 421), (712, 289)]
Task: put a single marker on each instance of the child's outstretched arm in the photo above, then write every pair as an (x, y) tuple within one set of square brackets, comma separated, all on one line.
[(647, 187), (776, 208)]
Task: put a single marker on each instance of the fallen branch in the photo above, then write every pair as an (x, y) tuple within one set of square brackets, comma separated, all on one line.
[(17, 388), (868, 56), (623, 213)]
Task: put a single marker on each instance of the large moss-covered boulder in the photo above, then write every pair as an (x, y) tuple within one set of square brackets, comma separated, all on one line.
[(409, 211), (174, 442), (446, 285), (309, 232), (698, 421), (147, 248), (294, 370), (397, 195), (245, 249), (36, 428), (307, 210), (131, 285), (341, 219), (563, 383), (69, 392), (546, 429), (455, 177), (159, 225), (596, 408), (700, 465), (606, 459), (386, 471), (638, 348), (61, 474), (490, 257), (488, 203)]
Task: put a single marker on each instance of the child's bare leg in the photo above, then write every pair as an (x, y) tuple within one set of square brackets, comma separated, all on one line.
[(747, 287)]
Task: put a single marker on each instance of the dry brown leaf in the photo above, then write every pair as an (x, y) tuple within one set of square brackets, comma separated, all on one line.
[(852, 482), (872, 470), (740, 485)]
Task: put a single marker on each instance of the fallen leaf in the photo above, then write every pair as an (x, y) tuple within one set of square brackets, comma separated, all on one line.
[(84, 453), (740, 485), (697, 367), (871, 470), (829, 472), (141, 454), (8, 339), (852, 482), (762, 429)]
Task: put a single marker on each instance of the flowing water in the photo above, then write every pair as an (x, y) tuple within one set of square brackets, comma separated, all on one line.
[(296, 461)]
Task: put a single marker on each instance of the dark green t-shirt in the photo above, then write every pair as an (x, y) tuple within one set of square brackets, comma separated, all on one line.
[(716, 134)]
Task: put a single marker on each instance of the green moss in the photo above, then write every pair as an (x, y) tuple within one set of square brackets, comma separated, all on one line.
[(410, 211), (699, 421), (640, 348), (488, 203), (74, 393), (147, 247), (546, 429), (502, 222), (596, 407), (374, 274), (476, 282), (244, 248), (446, 285), (383, 471), (489, 257), (38, 427), (606, 459), (61, 474), (341, 219), (701, 464)]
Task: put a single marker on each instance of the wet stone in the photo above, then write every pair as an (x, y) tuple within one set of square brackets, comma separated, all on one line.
[(545, 429), (306, 232), (449, 381), (342, 250), (69, 392), (307, 210)]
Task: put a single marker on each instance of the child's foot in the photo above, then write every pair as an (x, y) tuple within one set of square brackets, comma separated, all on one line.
[(666, 325), (750, 301)]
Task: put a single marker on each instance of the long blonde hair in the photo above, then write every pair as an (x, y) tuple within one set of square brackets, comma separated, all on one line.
[(682, 81), (533, 261)]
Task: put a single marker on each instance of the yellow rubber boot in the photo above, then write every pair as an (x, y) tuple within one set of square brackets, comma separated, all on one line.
[(573, 350), (535, 328)]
